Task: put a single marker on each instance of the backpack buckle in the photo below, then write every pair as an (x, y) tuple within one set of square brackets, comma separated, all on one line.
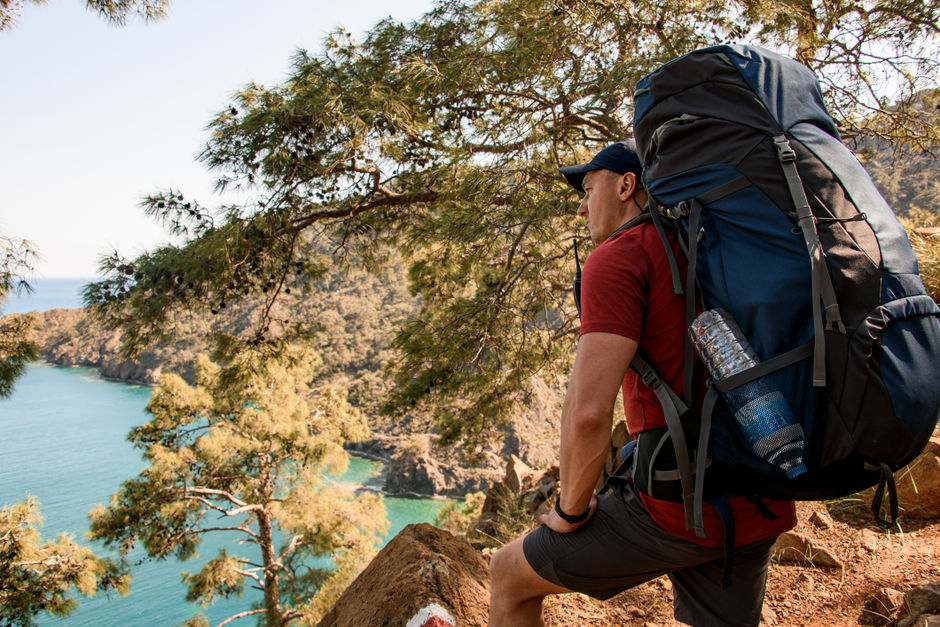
[(784, 152), (681, 210), (650, 379)]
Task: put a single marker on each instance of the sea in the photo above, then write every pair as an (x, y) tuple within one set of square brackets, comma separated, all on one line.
[(47, 293), (63, 441)]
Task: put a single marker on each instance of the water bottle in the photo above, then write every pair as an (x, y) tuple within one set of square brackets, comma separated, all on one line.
[(763, 414)]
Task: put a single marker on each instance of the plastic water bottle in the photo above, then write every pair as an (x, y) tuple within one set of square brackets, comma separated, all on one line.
[(763, 414)]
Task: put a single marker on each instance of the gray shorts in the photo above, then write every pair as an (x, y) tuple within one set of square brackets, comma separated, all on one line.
[(621, 547)]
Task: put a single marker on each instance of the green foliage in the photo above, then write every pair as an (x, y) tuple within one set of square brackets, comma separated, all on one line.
[(115, 11), (440, 140), (459, 516), (249, 445), (16, 349), (512, 519), (38, 577)]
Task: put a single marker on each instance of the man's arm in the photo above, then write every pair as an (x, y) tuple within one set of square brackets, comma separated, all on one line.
[(600, 364)]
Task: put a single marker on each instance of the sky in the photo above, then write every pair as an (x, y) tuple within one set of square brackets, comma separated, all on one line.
[(94, 117)]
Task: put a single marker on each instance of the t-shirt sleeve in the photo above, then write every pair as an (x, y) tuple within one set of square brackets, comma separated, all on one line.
[(614, 289)]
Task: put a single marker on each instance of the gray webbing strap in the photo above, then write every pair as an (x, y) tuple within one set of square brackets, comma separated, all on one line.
[(695, 212), (656, 450), (673, 408), (658, 223), (725, 189), (654, 381), (691, 249), (823, 292), (764, 368), (708, 408), (672, 475)]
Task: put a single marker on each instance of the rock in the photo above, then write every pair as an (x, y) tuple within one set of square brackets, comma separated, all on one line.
[(924, 620), (664, 582), (821, 520), (410, 472), (870, 541), (635, 612), (924, 599), (418, 569), (618, 438), (768, 616), (432, 615), (883, 604), (919, 483), (491, 502), (517, 472), (794, 548)]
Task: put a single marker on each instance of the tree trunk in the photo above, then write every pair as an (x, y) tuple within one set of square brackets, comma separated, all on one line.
[(272, 597)]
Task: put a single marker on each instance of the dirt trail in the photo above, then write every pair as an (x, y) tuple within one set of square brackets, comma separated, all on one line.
[(799, 594)]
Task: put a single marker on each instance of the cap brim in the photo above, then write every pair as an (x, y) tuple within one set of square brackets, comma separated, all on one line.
[(574, 174)]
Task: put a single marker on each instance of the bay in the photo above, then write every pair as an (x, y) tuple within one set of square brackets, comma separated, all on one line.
[(63, 440)]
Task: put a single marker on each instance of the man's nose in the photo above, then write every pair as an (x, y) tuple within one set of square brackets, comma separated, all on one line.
[(582, 208)]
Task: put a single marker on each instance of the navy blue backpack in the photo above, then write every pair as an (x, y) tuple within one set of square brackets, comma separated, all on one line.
[(784, 229)]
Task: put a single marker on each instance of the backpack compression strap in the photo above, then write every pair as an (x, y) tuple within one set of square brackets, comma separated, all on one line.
[(824, 294)]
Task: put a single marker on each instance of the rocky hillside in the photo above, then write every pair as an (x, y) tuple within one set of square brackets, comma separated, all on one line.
[(837, 568), (353, 341)]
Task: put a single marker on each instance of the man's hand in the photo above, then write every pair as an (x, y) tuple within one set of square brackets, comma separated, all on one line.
[(556, 523)]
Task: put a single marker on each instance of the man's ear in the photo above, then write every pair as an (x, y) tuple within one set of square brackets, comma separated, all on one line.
[(627, 186)]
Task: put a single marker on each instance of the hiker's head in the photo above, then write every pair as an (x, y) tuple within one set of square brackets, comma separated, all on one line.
[(612, 186)]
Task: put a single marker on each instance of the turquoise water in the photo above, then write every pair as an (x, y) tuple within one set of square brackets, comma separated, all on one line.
[(62, 439), (47, 294)]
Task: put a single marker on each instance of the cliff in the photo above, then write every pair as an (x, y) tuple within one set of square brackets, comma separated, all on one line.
[(353, 344)]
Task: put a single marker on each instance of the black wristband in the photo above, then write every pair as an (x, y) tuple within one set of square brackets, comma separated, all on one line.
[(568, 517)]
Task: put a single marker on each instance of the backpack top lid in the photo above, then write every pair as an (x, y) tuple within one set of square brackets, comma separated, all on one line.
[(787, 89)]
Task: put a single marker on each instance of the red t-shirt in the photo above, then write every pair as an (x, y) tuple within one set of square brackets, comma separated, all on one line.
[(626, 289)]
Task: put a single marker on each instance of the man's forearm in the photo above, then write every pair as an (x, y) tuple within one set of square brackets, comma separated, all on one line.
[(599, 367), (585, 442)]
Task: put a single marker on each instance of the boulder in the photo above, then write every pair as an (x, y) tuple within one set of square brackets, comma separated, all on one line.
[(534, 489), (919, 483), (922, 620), (882, 605), (925, 599), (424, 576), (798, 549), (618, 439), (517, 473), (414, 474), (821, 519)]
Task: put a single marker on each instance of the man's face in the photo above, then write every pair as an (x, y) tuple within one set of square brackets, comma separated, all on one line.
[(605, 206)]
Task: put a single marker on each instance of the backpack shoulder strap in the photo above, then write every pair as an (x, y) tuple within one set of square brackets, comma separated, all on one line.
[(673, 410)]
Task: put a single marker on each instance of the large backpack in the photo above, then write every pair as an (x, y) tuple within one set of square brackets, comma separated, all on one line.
[(785, 230)]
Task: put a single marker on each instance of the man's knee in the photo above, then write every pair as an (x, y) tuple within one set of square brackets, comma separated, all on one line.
[(501, 567)]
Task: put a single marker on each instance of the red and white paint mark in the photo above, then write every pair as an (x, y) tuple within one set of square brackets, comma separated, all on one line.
[(432, 616)]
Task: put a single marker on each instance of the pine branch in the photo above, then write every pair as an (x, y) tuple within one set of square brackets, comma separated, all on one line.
[(240, 615)]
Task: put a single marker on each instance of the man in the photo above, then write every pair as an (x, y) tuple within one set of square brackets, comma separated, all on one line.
[(603, 545)]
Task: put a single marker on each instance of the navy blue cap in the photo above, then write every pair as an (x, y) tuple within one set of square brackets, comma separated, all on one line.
[(620, 158)]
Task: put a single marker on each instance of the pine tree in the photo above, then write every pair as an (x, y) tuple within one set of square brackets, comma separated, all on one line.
[(16, 349), (441, 139), (115, 11), (37, 577), (245, 451)]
